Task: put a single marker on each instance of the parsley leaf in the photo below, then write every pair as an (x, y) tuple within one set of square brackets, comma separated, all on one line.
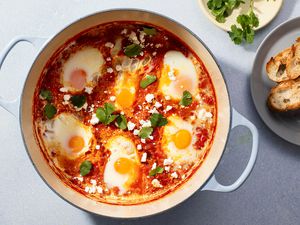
[(122, 122), (186, 99), (246, 31), (78, 100), (50, 111), (85, 168), (104, 114), (147, 80), (158, 120), (149, 30), (145, 132), (46, 94), (223, 8), (132, 50), (156, 170)]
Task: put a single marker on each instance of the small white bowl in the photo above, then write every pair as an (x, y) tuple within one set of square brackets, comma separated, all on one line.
[(265, 10)]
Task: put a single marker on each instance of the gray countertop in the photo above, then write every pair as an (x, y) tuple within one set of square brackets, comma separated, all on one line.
[(271, 195)]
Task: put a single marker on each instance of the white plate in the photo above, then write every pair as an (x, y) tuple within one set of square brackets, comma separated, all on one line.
[(265, 10)]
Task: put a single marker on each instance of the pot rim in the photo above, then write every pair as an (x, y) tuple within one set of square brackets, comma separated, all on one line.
[(122, 10)]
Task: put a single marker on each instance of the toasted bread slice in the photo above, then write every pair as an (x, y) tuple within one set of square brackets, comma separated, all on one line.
[(276, 67), (285, 96), (293, 63)]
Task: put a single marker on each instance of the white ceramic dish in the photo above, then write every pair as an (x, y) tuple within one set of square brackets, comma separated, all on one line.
[(203, 178), (265, 10)]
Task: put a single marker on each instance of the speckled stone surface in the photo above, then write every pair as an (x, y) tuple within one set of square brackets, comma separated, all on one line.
[(271, 195)]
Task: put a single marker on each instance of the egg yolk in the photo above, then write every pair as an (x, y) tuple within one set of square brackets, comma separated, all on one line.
[(78, 79), (123, 165), (125, 98), (76, 143), (182, 139)]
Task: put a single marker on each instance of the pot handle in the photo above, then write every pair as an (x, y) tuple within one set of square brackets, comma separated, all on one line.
[(213, 184), (13, 106)]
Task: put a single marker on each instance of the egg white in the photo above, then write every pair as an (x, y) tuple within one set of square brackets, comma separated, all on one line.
[(59, 130), (179, 156), (120, 147), (88, 59), (181, 68)]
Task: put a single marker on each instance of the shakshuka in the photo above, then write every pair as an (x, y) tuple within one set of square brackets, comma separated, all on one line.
[(124, 112)]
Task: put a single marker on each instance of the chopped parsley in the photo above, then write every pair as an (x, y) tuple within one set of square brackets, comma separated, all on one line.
[(158, 120), (145, 132), (132, 50), (156, 170), (78, 100), (104, 114), (50, 111), (46, 95), (149, 30), (186, 99), (85, 167), (147, 80), (122, 122)]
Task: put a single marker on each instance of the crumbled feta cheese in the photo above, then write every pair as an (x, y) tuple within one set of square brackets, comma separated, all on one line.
[(143, 140), (174, 175), (139, 147), (183, 176), (130, 125), (63, 89), (124, 31), (167, 97), (168, 108), (168, 162), (93, 182), (144, 157), (154, 53), (118, 67), (158, 45), (165, 37), (122, 113), (97, 147), (167, 168), (203, 114), (67, 97), (87, 189), (108, 59), (154, 110), (132, 36), (94, 120), (142, 36), (99, 189), (153, 166), (156, 183), (158, 105), (192, 117), (142, 53), (109, 45), (112, 98), (146, 123), (92, 190), (140, 107), (151, 137), (149, 97), (136, 132), (88, 90), (110, 70)]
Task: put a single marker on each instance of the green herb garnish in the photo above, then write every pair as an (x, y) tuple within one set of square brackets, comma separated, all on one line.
[(46, 94), (245, 32), (122, 122), (223, 8), (85, 167), (78, 100), (104, 114), (158, 120), (149, 30), (132, 50), (50, 111), (147, 80), (155, 171), (186, 99), (145, 132)]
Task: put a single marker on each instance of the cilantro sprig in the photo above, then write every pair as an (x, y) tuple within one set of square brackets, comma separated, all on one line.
[(156, 170), (223, 8), (158, 120), (186, 99), (147, 80), (246, 31), (104, 114), (85, 167), (132, 50), (145, 132)]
